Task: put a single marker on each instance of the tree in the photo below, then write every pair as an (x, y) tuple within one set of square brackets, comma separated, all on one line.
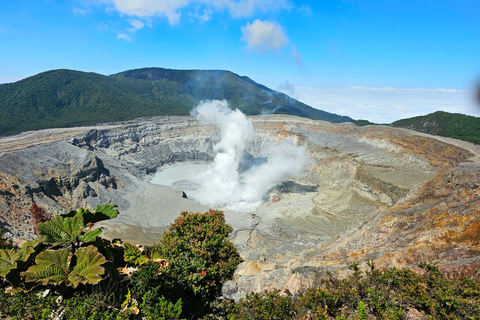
[(201, 257)]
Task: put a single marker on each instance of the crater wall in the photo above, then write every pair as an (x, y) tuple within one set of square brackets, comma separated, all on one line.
[(389, 194)]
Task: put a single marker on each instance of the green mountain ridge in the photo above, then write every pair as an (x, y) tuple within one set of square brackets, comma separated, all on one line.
[(452, 125), (66, 98)]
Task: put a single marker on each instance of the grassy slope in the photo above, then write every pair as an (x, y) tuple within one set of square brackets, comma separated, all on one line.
[(62, 98), (453, 125)]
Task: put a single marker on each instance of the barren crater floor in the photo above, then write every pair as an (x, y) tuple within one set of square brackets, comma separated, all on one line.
[(374, 192)]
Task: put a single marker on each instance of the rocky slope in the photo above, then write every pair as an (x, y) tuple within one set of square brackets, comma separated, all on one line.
[(382, 193)]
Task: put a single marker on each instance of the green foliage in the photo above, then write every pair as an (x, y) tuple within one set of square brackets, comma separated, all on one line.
[(201, 256), (453, 125), (10, 258), (91, 307), (60, 255), (146, 278), (383, 294), (266, 306), (76, 227), (361, 311), (62, 229), (26, 306), (154, 307), (101, 212), (133, 255), (65, 98), (201, 259), (58, 266), (14, 261)]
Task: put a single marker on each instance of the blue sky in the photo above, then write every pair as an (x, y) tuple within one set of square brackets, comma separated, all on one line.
[(375, 60)]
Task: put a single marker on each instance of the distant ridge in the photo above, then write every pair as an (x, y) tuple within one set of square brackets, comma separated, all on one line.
[(453, 125), (65, 98)]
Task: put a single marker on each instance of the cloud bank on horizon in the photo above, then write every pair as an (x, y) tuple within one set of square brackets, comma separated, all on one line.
[(384, 105)]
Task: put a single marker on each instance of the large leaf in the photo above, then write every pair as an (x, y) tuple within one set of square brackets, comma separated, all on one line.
[(103, 212), (88, 268), (51, 267), (90, 235), (17, 258), (8, 258), (13, 262), (62, 229), (109, 211)]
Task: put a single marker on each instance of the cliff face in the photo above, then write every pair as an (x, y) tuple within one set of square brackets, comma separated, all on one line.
[(381, 193)]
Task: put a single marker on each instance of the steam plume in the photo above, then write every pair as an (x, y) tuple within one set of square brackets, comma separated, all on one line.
[(222, 184)]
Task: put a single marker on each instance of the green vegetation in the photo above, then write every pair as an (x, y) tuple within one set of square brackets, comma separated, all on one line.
[(65, 98), (374, 294), (453, 125), (70, 272), (180, 277), (201, 258)]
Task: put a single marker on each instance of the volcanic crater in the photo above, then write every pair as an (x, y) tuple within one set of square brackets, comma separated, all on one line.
[(375, 192)]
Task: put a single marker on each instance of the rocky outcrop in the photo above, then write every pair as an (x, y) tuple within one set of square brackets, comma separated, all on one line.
[(375, 192)]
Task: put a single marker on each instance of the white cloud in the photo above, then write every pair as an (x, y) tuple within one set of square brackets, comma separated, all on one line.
[(124, 37), (408, 90), (264, 37), (205, 16), (136, 25), (80, 11), (246, 8), (171, 9), (385, 105), (147, 8), (305, 9)]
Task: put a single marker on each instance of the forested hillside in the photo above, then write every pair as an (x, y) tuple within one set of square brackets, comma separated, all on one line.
[(453, 125), (64, 98)]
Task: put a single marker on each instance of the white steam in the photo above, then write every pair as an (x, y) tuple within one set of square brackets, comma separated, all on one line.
[(222, 184)]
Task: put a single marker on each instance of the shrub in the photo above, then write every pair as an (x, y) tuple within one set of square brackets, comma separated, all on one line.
[(201, 257), (266, 306), (156, 307)]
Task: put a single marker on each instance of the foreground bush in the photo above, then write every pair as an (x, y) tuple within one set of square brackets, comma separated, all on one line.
[(92, 278), (375, 294), (201, 259)]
